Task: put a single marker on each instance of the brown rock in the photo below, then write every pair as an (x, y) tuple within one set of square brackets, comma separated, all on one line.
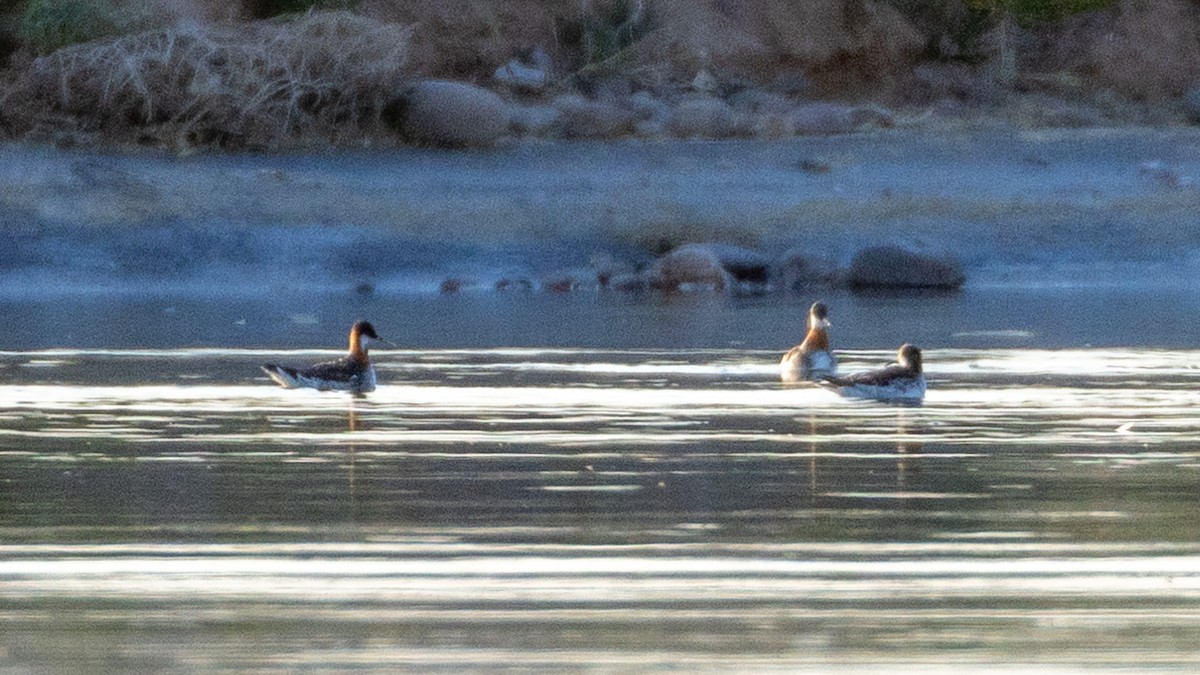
[(702, 118), (452, 114), (898, 268), (688, 267)]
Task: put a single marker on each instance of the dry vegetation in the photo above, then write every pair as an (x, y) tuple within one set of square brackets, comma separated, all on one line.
[(248, 85), (208, 75)]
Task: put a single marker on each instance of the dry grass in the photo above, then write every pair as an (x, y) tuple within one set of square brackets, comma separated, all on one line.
[(267, 84), (1152, 52)]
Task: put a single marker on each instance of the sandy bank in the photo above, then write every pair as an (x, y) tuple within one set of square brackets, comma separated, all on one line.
[(1050, 203)]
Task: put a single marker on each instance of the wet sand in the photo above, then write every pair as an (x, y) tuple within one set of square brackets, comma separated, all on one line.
[(1036, 206)]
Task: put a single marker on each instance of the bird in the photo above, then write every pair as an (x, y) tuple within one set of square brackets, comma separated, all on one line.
[(811, 359), (901, 382), (352, 373)]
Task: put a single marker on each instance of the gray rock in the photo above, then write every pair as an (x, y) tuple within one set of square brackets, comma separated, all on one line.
[(742, 263), (1191, 102), (584, 118), (702, 118), (707, 266), (536, 120), (894, 267), (753, 100), (528, 73), (833, 118), (689, 267), (816, 119), (705, 82), (872, 116), (453, 114), (649, 107), (772, 126), (797, 269)]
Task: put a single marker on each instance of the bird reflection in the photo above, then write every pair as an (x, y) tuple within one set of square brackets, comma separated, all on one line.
[(906, 442), (351, 427)]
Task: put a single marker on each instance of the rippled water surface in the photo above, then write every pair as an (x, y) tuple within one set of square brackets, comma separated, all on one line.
[(611, 509), (561, 508)]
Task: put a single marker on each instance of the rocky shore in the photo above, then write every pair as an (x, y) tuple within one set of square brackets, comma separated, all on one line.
[(885, 208)]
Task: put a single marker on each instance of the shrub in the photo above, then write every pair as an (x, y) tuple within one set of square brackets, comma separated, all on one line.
[(1032, 11), (47, 25), (255, 85), (266, 9)]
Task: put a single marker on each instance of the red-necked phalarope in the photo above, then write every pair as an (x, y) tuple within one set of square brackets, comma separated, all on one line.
[(353, 373), (811, 359), (902, 382)]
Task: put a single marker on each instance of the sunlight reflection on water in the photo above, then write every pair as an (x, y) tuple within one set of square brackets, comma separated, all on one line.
[(518, 499)]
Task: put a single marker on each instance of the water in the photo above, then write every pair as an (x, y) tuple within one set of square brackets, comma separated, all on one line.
[(612, 484)]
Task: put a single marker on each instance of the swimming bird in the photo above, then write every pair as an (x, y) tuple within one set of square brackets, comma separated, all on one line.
[(812, 358), (353, 373), (902, 382)]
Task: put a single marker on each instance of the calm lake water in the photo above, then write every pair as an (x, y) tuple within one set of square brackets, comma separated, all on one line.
[(600, 483)]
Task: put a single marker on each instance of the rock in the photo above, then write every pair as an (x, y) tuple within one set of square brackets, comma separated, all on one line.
[(1191, 102), (955, 81), (689, 267), (741, 263), (453, 285), (452, 114), (1040, 111), (705, 82), (832, 118), (796, 269), (772, 126), (607, 268), (814, 165), (872, 116), (528, 73), (584, 118), (895, 267), (648, 107), (713, 266), (535, 120), (570, 280), (702, 118), (517, 284), (627, 283), (752, 100), (816, 119)]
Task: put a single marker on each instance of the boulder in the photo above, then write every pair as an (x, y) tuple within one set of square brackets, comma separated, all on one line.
[(565, 281), (772, 126), (797, 269), (585, 118), (741, 263), (702, 118), (689, 267), (818, 119), (822, 118), (450, 114), (647, 106), (894, 267), (1191, 101), (535, 120), (715, 266), (528, 72), (753, 100), (514, 284)]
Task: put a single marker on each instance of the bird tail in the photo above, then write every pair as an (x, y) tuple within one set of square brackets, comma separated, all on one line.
[(282, 375)]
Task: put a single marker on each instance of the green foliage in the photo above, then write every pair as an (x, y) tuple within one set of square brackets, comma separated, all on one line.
[(47, 25), (610, 31), (1033, 11), (266, 9)]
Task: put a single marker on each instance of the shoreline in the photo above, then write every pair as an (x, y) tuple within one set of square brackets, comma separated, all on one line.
[(1051, 203)]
